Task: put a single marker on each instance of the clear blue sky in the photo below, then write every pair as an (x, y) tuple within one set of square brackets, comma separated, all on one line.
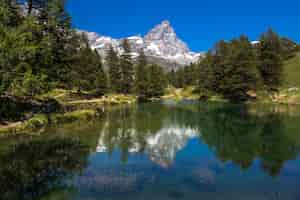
[(199, 23)]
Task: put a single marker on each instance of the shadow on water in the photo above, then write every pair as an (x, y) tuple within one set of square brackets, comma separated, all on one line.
[(32, 168), (237, 135)]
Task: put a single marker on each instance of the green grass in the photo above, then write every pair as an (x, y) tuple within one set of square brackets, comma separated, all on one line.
[(181, 93), (36, 122), (292, 72), (73, 116)]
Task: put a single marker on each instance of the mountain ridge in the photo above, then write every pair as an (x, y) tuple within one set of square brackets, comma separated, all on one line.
[(161, 45)]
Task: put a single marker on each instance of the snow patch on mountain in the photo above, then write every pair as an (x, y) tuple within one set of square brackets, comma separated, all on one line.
[(161, 147), (161, 42)]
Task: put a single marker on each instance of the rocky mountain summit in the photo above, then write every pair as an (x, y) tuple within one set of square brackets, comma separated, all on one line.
[(161, 45)]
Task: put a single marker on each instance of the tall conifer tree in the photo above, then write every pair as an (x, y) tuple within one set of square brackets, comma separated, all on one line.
[(101, 78), (156, 81), (115, 75), (142, 79), (271, 65), (127, 69)]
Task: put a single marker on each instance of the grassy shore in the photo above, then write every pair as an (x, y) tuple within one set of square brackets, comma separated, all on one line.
[(76, 107), (83, 107), (290, 96)]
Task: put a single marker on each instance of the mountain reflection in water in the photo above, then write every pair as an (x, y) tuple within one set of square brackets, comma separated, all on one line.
[(160, 151)]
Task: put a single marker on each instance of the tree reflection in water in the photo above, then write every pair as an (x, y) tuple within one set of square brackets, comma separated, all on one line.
[(32, 168), (235, 133), (172, 150), (239, 136)]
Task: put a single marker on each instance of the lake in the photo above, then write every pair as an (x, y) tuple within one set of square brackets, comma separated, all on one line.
[(160, 151)]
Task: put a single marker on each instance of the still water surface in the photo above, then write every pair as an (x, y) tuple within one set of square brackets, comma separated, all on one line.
[(160, 151)]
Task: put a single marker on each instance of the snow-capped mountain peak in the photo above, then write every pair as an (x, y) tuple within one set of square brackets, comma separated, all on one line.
[(163, 41), (161, 45)]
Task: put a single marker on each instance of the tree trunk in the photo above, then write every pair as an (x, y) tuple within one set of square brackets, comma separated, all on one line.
[(30, 7)]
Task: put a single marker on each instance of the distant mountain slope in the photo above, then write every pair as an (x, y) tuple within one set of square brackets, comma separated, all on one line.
[(292, 72), (161, 45)]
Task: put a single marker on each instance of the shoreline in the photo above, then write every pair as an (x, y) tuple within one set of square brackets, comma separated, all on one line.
[(87, 109), (75, 110)]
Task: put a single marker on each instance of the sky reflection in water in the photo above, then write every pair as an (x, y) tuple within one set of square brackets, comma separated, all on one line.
[(166, 151)]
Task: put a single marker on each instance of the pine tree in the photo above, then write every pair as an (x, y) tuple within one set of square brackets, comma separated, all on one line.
[(230, 69), (101, 78), (115, 75), (35, 5), (171, 77), (142, 76), (156, 81), (10, 13), (206, 75), (240, 73), (180, 78), (271, 65), (87, 73), (60, 42), (127, 69)]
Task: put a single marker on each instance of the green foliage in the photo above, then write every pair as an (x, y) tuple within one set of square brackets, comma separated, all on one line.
[(171, 78), (234, 68), (240, 74), (263, 135), (9, 13), (40, 50), (30, 85), (207, 78), (183, 77), (229, 70), (157, 81), (101, 83), (292, 72), (127, 69), (26, 174), (190, 74), (37, 122), (180, 78), (142, 76), (72, 116), (271, 65), (34, 47), (115, 74), (87, 73), (289, 48)]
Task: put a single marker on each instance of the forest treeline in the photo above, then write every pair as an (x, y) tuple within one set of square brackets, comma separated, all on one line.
[(233, 68), (40, 51)]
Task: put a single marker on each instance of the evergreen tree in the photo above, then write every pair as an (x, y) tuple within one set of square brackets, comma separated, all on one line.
[(207, 78), (188, 75), (127, 69), (30, 85), (115, 75), (180, 78), (101, 78), (156, 81), (289, 48), (271, 65), (230, 69), (171, 77), (240, 73), (64, 42), (87, 72), (10, 13), (35, 5), (142, 76)]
